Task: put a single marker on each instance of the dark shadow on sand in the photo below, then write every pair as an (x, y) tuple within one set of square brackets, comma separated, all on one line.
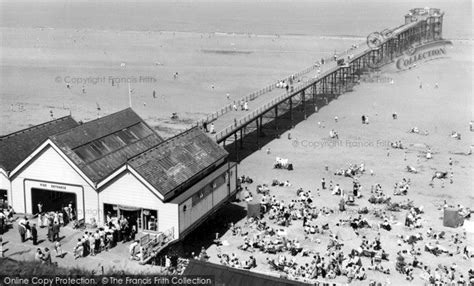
[(205, 234)]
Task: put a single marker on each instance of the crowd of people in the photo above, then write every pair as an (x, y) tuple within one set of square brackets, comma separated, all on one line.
[(6, 218), (268, 234), (116, 229)]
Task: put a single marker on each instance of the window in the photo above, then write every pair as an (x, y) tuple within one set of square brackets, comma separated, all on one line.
[(219, 181), (202, 194), (127, 136), (150, 220)]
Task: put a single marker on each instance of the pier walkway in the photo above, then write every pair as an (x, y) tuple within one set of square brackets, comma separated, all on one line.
[(267, 107)]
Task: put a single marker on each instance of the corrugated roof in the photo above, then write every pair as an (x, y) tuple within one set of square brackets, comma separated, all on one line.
[(229, 276), (101, 146), (177, 160), (17, 146)]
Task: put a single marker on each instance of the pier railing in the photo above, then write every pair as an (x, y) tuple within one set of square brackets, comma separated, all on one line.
[(295, 89), (238, 123), (213, 116), (246, 119)]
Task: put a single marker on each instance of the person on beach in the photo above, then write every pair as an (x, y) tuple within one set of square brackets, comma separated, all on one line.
[(428, 154), (323, 183), (336, 118)]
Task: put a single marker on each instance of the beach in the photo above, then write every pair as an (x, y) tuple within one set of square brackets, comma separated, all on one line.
[(63, 66), (39, 64), (439, 111), (55, 45)]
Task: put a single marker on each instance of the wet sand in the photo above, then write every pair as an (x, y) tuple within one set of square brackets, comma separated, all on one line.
[(38, 63)]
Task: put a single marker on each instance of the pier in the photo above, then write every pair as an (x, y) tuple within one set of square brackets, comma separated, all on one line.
[(274, 110)]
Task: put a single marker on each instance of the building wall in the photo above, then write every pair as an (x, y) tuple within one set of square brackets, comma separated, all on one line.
[(5, 185), (50, 168), (127, 190), (233, 174), (190, 214)]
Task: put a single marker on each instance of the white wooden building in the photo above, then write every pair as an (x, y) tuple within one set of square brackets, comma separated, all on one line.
[(117, 165), (17, 146)]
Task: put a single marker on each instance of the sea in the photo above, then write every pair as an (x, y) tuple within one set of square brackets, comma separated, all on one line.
[(335, 18)]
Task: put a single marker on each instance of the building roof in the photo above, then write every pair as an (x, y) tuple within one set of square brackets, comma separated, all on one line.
[(177, 160), (101, 146), (229, 276), (17, 146)]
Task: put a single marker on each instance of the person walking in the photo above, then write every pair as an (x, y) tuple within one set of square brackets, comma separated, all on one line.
[(28, 230), (56, 229), (212, 130), (50, 233), (22, 231), (91, 244), (58, 249), (323, 183), (34, 234)]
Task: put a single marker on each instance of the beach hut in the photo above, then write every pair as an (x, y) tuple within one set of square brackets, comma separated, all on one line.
[(452, 218)]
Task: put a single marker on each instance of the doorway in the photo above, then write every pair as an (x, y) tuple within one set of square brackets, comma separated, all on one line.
[(51, 200), (133, 217)]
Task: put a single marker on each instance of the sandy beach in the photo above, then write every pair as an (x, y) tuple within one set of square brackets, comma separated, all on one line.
[(49, 72), (38, 64), (439, 111)]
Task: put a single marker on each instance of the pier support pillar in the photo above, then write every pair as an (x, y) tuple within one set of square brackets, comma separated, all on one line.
[(236, 147), (276, 118), (303, 100), (241, 138), (291, 111), (258, 132)]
